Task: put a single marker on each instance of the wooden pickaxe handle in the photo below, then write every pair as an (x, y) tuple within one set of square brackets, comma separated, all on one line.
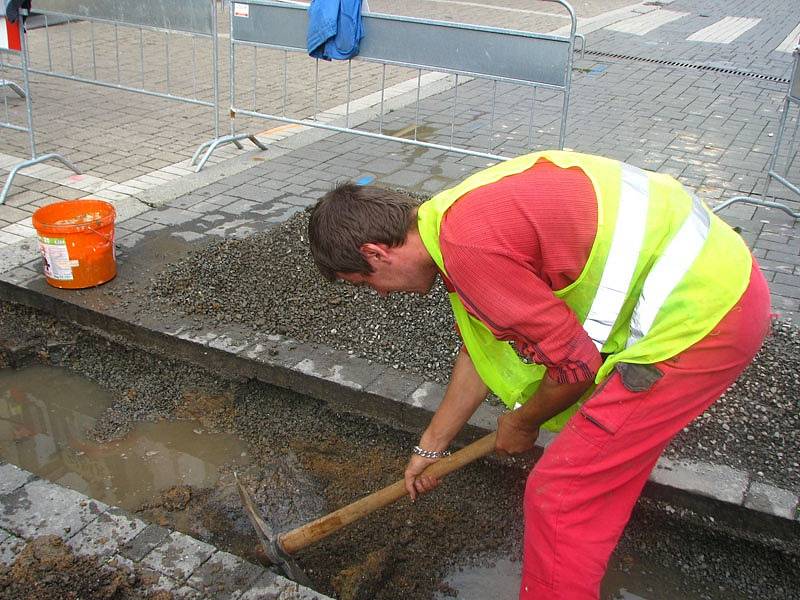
[(297, 539)]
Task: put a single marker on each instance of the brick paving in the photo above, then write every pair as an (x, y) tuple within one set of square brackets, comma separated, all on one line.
[(753, 51), (174, 562), (713, 130)]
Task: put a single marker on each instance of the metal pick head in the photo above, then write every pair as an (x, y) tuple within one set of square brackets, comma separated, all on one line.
[(269, 542)]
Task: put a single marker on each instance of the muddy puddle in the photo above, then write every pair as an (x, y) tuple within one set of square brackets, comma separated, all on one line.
[(47, 414), (499, 580)]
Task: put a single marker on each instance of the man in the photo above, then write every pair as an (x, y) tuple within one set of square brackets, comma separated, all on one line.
[(633, 306)]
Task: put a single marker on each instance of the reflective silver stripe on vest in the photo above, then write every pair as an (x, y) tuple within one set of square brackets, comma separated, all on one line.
[(669, 269), (623, 255)]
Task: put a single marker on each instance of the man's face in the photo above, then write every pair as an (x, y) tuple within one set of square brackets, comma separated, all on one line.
[(393, 271), (383, 283)]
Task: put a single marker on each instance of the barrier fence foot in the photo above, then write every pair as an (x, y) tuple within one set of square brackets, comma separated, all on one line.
[(212, 145), (28, 163), (756, 202), (14, 87)]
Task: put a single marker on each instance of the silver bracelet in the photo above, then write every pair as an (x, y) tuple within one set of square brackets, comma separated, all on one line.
[(431, 453)]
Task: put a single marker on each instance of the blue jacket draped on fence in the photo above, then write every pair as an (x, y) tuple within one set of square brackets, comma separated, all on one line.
[(334, 29)]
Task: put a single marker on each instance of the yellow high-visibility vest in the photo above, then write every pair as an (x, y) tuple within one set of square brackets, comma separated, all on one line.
[(662, 272)]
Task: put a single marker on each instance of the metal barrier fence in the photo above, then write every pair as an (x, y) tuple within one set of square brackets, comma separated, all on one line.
[(784, 154), (524, 59), (138, 47), (15, 45)]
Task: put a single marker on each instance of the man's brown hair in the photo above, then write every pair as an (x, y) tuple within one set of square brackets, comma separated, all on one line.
[(351, 215)]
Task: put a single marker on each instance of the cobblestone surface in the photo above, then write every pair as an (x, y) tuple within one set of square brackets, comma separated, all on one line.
[(186, 567)]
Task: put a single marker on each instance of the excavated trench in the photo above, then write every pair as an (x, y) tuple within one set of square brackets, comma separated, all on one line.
[(300, 459)]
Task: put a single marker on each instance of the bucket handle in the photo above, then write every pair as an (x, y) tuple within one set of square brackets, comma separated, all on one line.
[(108, 238)]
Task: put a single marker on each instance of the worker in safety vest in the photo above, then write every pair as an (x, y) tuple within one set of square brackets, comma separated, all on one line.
[(628, 305)]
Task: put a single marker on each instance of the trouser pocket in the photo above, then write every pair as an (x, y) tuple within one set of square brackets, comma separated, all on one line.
[(615, 400)]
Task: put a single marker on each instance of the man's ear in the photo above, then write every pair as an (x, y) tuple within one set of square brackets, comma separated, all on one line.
[(374, 252)]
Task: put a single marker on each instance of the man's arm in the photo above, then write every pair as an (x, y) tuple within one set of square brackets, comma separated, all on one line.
[(464, 394), (517, 430)]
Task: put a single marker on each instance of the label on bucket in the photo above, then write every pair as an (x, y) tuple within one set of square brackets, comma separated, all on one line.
[(57, 264)]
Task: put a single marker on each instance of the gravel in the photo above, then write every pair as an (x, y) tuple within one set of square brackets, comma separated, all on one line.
[(755, 426), (268, 282)]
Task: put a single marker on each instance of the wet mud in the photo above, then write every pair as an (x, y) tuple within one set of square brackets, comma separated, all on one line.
[(47, 569), (306, 459)]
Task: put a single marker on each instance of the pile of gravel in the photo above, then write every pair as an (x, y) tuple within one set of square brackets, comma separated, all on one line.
[(755, 426), (268, 282)]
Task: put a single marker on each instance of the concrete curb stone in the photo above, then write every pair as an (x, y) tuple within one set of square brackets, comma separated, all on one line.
[(178, 556), (41, 508), (12, 477), (705, 479), (189, 568), (772, 500)]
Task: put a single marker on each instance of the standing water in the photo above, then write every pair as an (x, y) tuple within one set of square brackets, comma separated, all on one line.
[(46, 412)]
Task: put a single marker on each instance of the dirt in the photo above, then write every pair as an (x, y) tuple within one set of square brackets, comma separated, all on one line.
[(215, 411), (364, 580), (47, 569), (172, 499), (307, 459)]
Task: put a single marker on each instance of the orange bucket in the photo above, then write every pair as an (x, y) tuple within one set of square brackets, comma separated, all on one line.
[(76, 239)]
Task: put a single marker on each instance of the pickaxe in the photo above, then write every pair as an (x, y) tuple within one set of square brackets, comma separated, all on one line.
[(280, 548)]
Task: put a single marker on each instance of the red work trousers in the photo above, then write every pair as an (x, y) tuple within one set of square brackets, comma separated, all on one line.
[(581, 492)]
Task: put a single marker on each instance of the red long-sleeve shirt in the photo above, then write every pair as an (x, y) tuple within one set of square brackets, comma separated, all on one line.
[(506, 246)]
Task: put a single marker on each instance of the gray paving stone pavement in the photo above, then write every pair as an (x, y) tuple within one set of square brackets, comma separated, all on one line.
[(9, 548), (12, 478), (143, 543), (107, 533), (178, 556), (189, 568), (40, 508), (753, 51)]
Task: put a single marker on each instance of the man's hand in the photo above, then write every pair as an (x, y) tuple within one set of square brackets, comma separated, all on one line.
[(415, 482), (515, 433), (517, 430)]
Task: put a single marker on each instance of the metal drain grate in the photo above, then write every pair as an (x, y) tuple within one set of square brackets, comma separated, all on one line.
[(672, 63)]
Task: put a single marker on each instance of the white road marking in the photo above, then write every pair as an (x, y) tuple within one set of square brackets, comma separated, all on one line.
[(725, 30), (643, 24), (791, 42), (503, 8), (590, 24)]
